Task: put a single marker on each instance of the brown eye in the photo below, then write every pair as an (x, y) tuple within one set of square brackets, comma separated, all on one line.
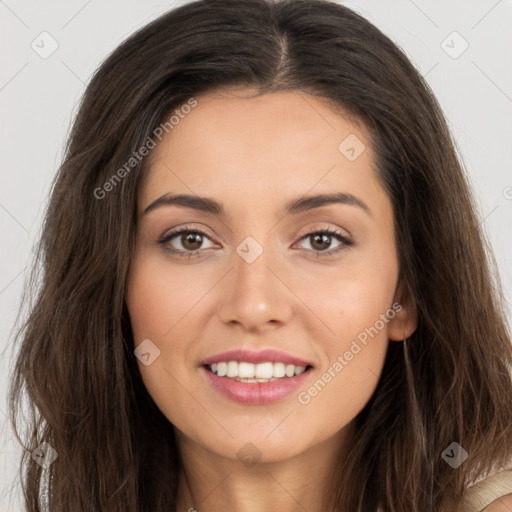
[(191, 242), (321, 240)]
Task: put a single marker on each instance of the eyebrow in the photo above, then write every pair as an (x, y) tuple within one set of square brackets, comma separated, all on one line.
[(213, 207)]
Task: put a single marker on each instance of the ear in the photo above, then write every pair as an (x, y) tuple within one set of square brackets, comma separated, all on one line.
[(405, 321)]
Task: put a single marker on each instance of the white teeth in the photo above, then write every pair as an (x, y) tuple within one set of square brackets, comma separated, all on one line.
[(232, 369), (222, 369), (264, 370), (279, 370), (249, 372), (246, 371), (299, 370)]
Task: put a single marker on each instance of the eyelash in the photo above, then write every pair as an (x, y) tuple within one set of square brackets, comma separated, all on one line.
[(346, 242)]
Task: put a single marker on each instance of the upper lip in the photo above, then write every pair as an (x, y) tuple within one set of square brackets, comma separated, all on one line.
[(261, 356)]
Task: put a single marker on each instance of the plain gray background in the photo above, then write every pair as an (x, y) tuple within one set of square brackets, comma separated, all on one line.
[(39, 95)]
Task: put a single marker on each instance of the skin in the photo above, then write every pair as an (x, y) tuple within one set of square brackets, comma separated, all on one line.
[(503, 504), (254, 155)]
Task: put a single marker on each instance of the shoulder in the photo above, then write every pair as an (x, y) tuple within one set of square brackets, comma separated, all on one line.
[(492, 494), (503, 504)]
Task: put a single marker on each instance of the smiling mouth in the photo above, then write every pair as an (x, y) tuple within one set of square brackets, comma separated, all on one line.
[(242, 371)]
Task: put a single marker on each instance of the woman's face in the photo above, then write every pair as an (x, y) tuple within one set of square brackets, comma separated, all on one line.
[(262, 278)]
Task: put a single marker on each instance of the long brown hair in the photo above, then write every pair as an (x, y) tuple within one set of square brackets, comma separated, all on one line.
[(449, 382)]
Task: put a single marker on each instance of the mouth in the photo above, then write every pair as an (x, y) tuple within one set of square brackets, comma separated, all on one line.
[(255, 378)]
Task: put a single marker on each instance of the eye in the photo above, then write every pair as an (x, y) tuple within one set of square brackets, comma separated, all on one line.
[(321, 238), (190, 240)]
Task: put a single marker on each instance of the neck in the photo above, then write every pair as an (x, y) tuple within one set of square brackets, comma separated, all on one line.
[(212, 483)]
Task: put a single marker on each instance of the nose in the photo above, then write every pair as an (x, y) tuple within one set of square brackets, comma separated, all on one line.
[(255, 295)]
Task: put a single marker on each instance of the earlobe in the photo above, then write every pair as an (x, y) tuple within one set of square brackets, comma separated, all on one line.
[(405, 321)]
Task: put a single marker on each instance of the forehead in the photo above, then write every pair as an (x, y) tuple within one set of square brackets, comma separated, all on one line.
[(258, 149)]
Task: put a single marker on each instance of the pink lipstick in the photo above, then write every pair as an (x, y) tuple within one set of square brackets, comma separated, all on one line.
[(255, 378)]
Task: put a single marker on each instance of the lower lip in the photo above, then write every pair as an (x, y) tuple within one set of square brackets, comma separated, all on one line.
[(256, 393)]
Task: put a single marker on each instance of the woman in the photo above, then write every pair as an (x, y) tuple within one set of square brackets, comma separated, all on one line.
[(262, 370)]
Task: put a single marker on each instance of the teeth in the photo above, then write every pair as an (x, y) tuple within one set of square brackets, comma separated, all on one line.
[(263, 370), (249, 372), (246, 371), (222, 369), (280, 369), (232, 369), (299, 370)]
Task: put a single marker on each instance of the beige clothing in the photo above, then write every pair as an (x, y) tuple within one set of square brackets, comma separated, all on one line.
[(496, 484)]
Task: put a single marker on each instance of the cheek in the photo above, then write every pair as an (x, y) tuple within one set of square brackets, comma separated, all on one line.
[(353, 356), (164, 306), (158, 299), (155, 305), (352, 298), (356, 305)]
